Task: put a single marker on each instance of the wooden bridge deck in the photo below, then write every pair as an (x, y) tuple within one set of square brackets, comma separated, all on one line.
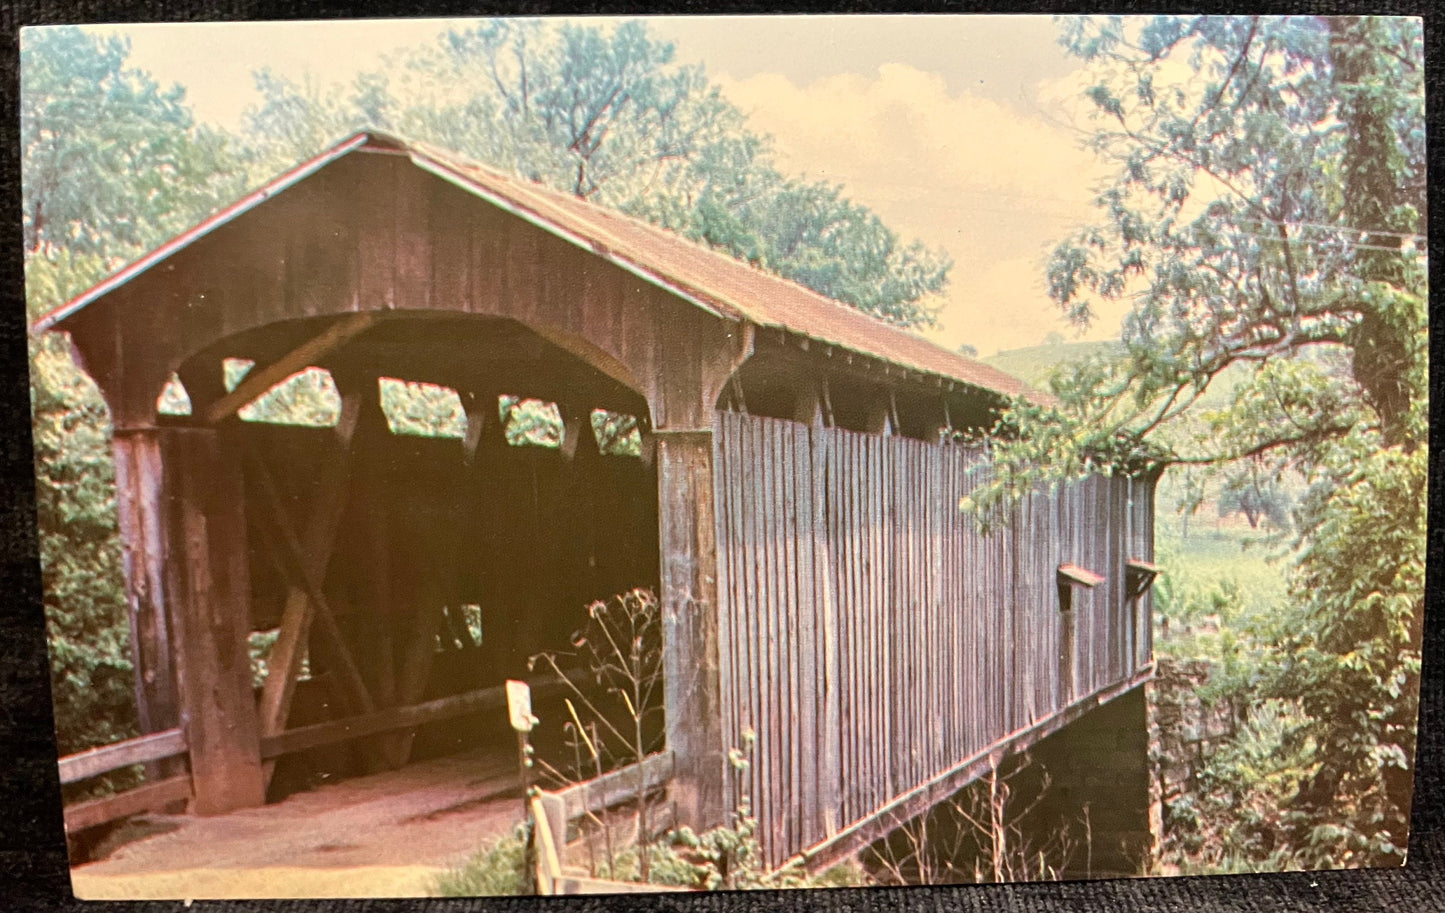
[(385, 835)]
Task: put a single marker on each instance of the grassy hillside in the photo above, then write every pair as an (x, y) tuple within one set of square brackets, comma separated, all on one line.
[(1035, 364)]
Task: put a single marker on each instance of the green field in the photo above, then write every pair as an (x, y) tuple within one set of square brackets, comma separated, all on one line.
[(1036, 363), (1208, 557)]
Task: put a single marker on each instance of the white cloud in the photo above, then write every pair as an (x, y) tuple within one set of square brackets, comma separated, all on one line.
[(992, 187), (904, 130)]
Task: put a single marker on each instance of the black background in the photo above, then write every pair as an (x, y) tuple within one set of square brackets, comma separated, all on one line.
[(33, 874)]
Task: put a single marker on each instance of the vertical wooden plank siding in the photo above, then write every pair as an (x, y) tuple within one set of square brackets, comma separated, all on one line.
[(869, 634)]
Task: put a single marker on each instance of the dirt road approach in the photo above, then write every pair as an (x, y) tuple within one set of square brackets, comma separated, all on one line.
[(387, 835)]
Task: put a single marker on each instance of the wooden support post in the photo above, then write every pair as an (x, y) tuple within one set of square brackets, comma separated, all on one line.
[(808, 406), (415, 669), (825, 397), (207, 577), (578, 438), (381, 609), (688, 552), (143, 533), (484, 423), (205, 383), (879, 417)]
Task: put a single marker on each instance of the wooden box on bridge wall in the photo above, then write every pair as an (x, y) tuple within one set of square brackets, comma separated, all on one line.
[(790, 491)]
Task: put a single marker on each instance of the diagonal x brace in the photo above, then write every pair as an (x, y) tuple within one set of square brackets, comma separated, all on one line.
[(304, 574)]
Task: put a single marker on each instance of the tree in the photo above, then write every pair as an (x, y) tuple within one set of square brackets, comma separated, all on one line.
[(606, 114), (1266, 211), (80, 557), (1247, 492), (112, 164)]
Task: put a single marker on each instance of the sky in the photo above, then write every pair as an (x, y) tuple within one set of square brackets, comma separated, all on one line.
[(950, 128)]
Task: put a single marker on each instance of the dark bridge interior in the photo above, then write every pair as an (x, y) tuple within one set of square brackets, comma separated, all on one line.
[(454, 528)]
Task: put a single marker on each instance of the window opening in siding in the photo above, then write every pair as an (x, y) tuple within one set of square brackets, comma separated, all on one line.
[(617, 433), (530, 422), (308, 398), (421, 409), (174, 400)]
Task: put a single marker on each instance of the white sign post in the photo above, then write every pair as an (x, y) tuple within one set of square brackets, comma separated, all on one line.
[(519, 710), (519, 706)]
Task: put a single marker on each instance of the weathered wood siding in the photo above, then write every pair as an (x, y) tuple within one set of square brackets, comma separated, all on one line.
[(873, 639)]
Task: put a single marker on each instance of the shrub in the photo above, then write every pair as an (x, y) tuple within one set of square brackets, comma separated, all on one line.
[(500, 869)]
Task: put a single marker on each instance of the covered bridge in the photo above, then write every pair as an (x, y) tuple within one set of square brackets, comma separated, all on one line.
[(795, 502)]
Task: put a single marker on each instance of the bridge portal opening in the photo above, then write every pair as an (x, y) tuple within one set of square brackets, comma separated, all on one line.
[(436, 503)]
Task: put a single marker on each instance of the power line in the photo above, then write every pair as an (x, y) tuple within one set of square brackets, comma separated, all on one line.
[(1340, 242), (1410, 236)]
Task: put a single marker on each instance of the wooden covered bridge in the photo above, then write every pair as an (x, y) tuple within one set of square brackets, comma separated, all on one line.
[(793, 498)]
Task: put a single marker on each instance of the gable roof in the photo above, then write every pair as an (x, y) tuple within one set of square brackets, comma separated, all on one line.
[(714, 281)]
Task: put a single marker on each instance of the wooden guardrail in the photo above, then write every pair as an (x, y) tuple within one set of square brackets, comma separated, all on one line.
[(354, 727), (621, 785), (170, 743), (147, 797), (109, 758), (549, 875)]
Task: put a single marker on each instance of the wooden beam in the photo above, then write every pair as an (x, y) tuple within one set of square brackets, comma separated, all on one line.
[(263, 377), (577, 434), (106, 758), (1073, 575), (296, 616), (149, 797), (617, 787), (549, 866), (144, 520), (415, 668), (304, 738), (692, 676), (483, 422), (1139, 575), (302, 573), (1142, 566), (587, 353), (204, 380), (914, 802)]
